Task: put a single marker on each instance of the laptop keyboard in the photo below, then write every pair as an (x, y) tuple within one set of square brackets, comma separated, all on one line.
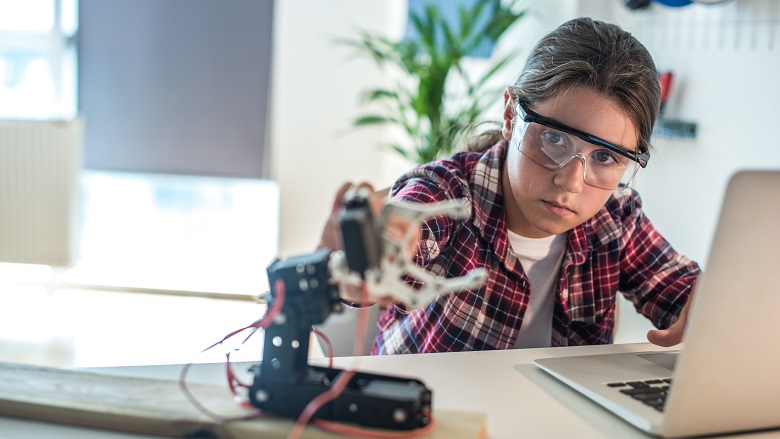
[(651, 392)]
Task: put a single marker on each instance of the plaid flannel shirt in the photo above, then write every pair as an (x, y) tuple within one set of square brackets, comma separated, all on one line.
[(616, 250)]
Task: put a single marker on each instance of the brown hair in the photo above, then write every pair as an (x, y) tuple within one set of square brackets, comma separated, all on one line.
[(595, 54)]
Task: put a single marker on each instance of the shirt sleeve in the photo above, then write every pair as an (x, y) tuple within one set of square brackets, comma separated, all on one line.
[(428, 184), (655, 277)]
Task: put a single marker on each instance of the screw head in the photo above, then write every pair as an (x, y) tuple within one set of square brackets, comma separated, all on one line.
[(261, 395), (399, 415)]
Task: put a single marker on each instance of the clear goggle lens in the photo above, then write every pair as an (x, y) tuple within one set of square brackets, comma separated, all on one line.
[(554, 150)]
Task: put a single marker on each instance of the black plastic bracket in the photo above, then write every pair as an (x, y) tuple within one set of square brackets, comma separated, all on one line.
[(284, 383)]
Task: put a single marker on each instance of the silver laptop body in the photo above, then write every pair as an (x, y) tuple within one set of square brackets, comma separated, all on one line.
[(726, 376)]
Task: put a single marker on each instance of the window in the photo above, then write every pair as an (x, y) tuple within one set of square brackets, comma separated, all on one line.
[(38, 58), (147, 227)]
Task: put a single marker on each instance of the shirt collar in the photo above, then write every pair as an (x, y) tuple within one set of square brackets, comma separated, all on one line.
[(488, 203), (489, 215)]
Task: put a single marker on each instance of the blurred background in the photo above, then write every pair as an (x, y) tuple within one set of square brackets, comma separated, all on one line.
[(156, 155)]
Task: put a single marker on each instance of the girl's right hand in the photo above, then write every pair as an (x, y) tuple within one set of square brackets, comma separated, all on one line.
[(396, 228), (330, 237)]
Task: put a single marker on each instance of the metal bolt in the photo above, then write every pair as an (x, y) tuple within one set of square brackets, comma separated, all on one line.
[(353, 407), (261, 396), (280, 319), (399, 415), (277, 341), (276, 364)]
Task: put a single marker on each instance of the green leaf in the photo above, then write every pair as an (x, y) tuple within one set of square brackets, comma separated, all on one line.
[(372, 120), (378, 95)]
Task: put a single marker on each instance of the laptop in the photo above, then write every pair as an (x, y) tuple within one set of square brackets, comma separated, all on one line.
[(726, 376)]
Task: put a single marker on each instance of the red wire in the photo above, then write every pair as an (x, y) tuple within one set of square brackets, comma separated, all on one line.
[(325, 339), (323, 398), (315, 404), (201, 408), (338, 387), (233, 381), (373, 434), (343, 378)]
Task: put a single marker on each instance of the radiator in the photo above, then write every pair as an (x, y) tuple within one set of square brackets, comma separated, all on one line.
[(40, 163)]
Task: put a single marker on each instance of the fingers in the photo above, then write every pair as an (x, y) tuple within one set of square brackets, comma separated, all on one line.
[(664, 337), (329, 237), (374, 196), (668, 337), (330, 234), (674, 334), (396, 228), (376, 199), (340, 195)]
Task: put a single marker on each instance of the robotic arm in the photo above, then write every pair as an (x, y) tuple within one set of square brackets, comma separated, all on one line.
[(285, 383)]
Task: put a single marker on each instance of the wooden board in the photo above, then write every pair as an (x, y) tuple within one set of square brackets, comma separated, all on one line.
[(159, 407)]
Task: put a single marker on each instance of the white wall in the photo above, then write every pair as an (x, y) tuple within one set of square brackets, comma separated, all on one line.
[(315, 86)]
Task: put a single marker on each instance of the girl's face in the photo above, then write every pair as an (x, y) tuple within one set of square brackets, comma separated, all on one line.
[(540, 202)]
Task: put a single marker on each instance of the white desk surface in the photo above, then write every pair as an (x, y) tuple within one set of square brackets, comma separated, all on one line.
[(520, 399)]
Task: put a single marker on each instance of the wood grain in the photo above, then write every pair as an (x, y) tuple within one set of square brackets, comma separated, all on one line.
[(159, 407)]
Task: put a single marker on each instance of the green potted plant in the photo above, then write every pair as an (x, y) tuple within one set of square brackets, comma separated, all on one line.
[(421, 102)]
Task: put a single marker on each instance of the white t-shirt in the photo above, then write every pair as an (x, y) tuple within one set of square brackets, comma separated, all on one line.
[(541, 259)]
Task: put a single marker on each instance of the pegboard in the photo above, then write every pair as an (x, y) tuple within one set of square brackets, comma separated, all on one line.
[(736, 25)]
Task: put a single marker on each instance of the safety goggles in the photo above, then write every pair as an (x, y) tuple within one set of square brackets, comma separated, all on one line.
[(554, 146)]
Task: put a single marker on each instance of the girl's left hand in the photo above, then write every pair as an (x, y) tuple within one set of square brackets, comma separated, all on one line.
[(674, 334)]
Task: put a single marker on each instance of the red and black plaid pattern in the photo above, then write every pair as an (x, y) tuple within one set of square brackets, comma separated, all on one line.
[(617, 250)]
